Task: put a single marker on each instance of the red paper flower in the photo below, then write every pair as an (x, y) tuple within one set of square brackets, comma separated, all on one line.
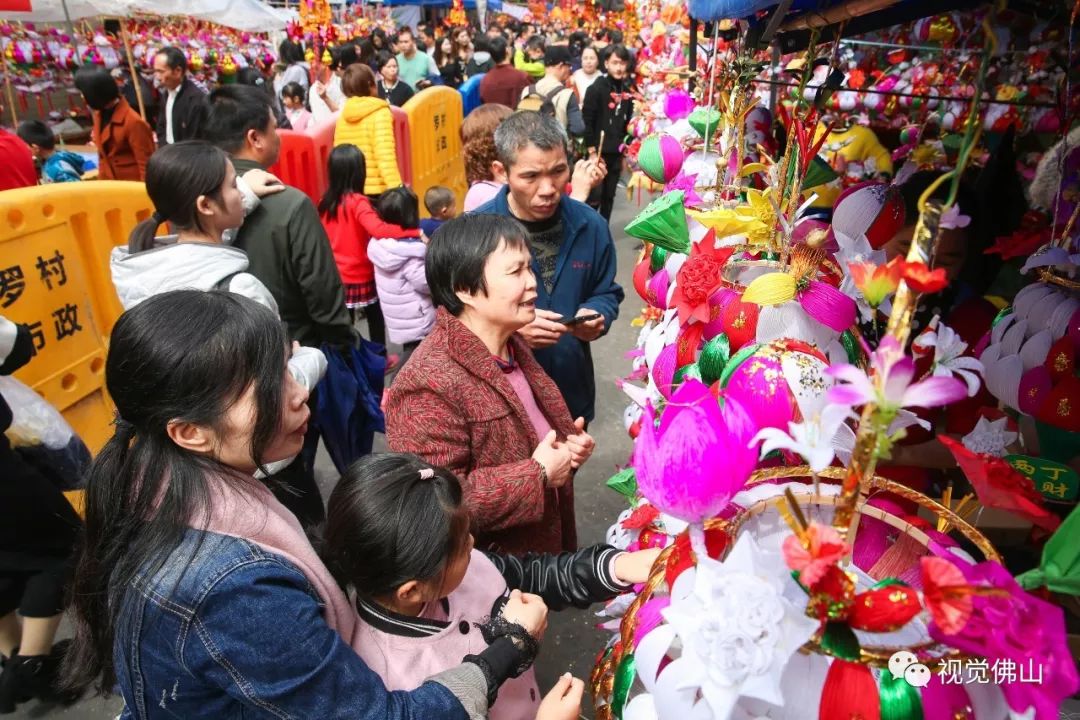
[(998, 485), (698, 278), (826, 548), (641, 517), (924, 280)]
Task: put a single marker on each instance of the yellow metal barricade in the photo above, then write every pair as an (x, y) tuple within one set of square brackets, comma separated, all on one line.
[(435, 130), (54, 276)]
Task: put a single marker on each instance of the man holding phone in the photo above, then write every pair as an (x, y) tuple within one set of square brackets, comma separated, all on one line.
[(573, 254)]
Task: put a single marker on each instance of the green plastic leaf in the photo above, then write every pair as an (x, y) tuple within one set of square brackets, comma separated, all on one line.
[(624, 678), (733, 364), (624, 482), (663, 223), (1059, 568)]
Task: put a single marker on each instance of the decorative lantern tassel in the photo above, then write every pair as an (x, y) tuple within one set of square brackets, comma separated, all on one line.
[(850, 693), (899, 699)]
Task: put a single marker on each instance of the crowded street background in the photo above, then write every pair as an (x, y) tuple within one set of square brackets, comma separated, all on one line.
[(635, 361)]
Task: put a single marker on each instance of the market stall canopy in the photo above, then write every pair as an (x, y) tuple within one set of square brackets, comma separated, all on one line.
[(250, 15)]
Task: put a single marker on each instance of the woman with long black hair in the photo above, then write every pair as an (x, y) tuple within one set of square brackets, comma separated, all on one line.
[(197, 594)]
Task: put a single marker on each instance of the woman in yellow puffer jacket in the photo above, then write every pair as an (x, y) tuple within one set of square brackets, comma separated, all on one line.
[(367, 123)]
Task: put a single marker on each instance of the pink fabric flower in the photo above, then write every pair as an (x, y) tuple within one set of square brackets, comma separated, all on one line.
[(826, 549), (1023, 629)]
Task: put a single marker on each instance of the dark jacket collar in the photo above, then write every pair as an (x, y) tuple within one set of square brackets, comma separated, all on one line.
[(393, 623)]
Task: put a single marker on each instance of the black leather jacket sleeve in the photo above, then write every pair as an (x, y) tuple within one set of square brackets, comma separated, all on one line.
[(567, 579)]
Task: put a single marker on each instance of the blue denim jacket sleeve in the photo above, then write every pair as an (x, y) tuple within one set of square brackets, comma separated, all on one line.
[(279, 655)]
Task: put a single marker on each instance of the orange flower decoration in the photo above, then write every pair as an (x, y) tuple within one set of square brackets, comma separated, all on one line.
[(877, 282)]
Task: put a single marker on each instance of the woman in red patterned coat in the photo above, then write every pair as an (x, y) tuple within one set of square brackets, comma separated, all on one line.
[(474, 400)]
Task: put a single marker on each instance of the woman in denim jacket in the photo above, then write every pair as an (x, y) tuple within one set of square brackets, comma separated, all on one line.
[(197, 593)]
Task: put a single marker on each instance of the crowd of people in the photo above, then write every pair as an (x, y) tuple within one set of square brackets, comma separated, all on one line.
[(420, 587)]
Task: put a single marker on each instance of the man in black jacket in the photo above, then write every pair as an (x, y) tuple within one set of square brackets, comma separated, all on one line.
[(183, 100), (288, 251), (607, 109)]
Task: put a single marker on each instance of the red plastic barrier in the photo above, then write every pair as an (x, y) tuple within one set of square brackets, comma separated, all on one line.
[(403, 145), (303, 159), (297, 166)]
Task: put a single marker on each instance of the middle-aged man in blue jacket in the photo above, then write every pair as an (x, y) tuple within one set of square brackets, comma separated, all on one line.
[(573, 254)]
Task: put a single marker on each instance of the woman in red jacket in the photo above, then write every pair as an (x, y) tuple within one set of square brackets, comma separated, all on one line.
[(351, 222), (473, 399)]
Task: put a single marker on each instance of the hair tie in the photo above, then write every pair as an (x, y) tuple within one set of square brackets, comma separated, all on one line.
[(157, 217), (427, 474)]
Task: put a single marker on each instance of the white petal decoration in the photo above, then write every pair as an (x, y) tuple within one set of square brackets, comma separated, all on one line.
[(1029, 297), (1003, 324), (1059, 319), (989, 437), (1003, 379), (1035, 350), (736, 632), (641, 707), (1014, 338)]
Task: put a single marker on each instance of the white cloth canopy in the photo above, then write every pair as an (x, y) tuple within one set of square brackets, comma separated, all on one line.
[(250, 15)]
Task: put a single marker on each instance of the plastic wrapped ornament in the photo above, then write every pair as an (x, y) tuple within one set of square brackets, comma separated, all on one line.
[(776, 379)]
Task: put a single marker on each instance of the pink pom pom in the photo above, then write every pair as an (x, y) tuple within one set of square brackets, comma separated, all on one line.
[(678, 104)]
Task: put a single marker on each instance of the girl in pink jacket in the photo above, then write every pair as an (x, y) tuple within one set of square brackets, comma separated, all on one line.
[(397, 539), (399, 271)]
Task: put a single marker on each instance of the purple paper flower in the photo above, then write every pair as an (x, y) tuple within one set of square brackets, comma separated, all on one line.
[(1021, 629), (686, 183), (890, 387), (677, 463)]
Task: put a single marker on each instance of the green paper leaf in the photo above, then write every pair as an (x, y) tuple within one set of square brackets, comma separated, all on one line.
[(840, 641), (1059, 568), (663, 223), (624, 678), (819, 173), (886, 582), (624, 482), (1002, 314), (738, 359), (658, 258), (714, 357), (1056, 482)]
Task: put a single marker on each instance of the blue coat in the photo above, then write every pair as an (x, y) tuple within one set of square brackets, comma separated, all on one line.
[(584, 277)]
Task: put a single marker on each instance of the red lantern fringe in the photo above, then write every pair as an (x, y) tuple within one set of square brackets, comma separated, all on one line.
[(850, 693)]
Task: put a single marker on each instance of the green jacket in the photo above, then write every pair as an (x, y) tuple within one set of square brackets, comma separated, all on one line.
[(289, 252), (535, 68)]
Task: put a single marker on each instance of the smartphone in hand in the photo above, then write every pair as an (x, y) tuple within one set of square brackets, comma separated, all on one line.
[(570, 320)]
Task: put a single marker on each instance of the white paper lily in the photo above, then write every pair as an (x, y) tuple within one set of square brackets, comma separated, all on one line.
[(817, 440), (990, 437), (949, 358)]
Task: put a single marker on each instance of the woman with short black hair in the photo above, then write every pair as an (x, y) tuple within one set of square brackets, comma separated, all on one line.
[(391, 88), (474, 400)]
